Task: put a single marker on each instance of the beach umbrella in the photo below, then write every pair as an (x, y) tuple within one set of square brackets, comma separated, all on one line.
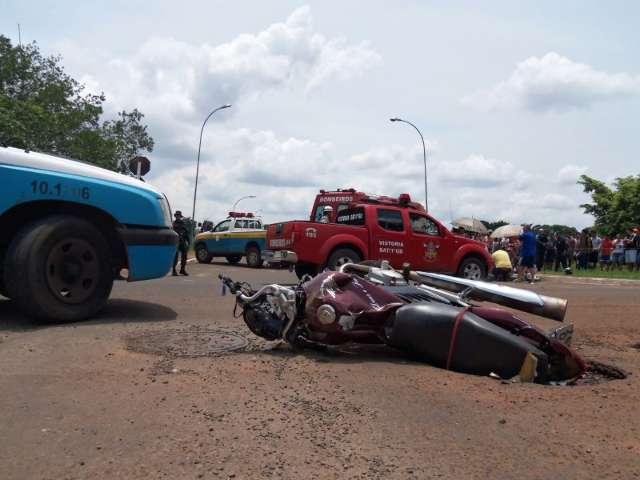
[(470, 225), (506, 231)]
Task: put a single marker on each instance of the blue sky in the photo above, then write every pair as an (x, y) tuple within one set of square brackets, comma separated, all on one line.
[(515, 99)]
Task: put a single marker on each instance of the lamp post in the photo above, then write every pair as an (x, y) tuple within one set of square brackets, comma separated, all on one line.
[(233, 209), (195, 190), (424, 154)]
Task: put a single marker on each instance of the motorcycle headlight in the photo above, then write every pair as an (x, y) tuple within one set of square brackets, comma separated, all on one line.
[(166, 210)]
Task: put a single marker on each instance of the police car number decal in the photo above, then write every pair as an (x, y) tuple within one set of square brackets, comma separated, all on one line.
[(59, 190)]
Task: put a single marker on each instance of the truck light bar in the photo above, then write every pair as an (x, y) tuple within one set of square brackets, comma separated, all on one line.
[(240, 214)]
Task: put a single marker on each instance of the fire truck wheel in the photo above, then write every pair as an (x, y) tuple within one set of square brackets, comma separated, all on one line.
[(254, 259), (472, 268), (233, 259), (202, 254), (303, 269), (342, 256)]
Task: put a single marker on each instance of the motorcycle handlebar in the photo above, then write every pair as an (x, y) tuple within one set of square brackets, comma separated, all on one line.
[(244, 293), (266, 290)]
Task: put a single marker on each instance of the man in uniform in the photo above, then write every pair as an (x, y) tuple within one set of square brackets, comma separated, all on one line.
[(180, 227)]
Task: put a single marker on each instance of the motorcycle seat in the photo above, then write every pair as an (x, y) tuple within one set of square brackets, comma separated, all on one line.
[(425, 330)]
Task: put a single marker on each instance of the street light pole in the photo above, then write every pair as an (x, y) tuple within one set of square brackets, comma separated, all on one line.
[(195, 190), (233, 209), (424, 155)]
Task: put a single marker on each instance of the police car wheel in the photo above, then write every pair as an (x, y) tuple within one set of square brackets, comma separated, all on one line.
[(472, 269), (253, 257), (202, 254), (3, 287), (233, 259), (59, 269)]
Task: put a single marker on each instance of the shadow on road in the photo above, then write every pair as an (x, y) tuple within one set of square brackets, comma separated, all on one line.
[(222, 263), (116, 310), (349, 353)]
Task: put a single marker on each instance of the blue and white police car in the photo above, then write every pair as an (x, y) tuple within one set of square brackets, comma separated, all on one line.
[(240, 235), (68, 229)]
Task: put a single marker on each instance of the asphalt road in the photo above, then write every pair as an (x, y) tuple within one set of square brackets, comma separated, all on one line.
[(144, 391)]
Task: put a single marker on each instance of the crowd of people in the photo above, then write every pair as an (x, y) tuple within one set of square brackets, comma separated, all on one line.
[(541, 250)]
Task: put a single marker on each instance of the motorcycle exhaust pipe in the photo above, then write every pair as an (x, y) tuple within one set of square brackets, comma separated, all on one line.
[(527, 301)]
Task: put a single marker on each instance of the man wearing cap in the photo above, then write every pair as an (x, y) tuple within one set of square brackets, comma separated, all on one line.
[(180, 227)]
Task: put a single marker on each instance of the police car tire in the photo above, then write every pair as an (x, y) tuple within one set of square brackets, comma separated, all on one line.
[(233, 259), (254, 259), (3, 288), (342, 254), (203, 257), (25, 267)]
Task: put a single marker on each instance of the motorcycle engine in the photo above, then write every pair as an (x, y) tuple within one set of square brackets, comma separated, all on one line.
[(263, 321)]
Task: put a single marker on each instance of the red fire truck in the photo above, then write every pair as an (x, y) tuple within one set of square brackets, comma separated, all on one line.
[(369, 227)]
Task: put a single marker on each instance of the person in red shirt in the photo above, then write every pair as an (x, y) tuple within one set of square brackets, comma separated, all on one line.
[(605, 253)]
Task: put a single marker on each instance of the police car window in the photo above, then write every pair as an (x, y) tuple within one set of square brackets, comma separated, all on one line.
[(390, 220), (423, 225), (241, 224), (319, 212), (223, 226), (351, 216)]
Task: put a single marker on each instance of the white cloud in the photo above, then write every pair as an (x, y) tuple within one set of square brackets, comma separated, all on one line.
[(478, 171), (554, 83), (569, 174), (177, 81), (286, 174)]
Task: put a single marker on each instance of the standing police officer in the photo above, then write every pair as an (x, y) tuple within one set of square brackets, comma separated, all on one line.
[(180, 227)]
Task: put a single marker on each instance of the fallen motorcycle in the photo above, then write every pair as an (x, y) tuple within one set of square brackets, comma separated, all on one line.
[(432, 317)]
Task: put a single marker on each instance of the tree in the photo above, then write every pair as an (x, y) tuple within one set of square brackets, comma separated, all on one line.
[(564, 230), (44, 109), (615, 209)]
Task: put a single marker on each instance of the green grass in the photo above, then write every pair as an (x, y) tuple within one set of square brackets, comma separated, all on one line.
[(597, 273)]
